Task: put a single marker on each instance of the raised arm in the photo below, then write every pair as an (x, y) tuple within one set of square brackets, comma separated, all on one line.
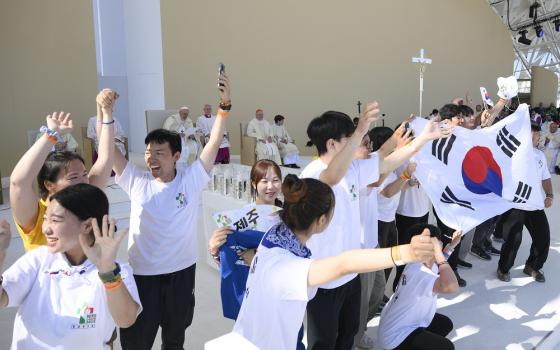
[(431, 131), (366, 260), (396, 186), (101, 169), (339, 165), (103, 254), (23, 198), (210, 151), (447, 281)]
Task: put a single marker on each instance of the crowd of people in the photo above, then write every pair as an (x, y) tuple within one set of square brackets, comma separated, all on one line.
[(354, 214)]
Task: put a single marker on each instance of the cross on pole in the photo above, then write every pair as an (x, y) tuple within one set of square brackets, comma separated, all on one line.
[(359, 107), (423, 61)]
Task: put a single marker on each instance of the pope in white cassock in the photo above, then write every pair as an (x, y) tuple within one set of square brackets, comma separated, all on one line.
[(288, 149), (266, 146), (182, 124)]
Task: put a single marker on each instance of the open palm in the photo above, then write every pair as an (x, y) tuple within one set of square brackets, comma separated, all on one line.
[(60, 122), (103, 252)]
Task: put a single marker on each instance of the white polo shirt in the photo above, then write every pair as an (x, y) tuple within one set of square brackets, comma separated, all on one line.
[(413, 305), (163, 218), (60, 306), (275, 299), (387, 207), (344, 231)]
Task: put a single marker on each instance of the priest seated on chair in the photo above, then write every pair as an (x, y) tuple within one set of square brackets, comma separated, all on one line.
[(262, 131), (288, 149), (183, 125)]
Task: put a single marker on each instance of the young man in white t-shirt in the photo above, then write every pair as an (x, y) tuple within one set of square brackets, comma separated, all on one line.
[(535, 221), (409, 320), (333, 315), (162, 245)]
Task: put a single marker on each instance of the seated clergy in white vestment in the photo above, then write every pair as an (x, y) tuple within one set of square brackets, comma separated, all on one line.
[(288, 149), (182, 124), (266, 146)]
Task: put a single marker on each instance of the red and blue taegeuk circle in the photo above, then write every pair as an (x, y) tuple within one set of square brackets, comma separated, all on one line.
[(481, 173)]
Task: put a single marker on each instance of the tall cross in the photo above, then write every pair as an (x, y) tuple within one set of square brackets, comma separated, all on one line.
[(423, 61), (359, 107)]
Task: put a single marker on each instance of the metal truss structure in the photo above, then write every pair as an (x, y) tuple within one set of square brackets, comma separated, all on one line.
[(529, 16)]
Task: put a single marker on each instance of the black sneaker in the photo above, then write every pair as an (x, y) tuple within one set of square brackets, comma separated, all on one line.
[(464, 264), (493, 251), (537, 275), (479, 253), (461, 282), (505, 277)]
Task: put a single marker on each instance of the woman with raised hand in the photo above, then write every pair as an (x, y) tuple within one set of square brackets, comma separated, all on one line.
[(71, 293), (54, 171), (283, 277)]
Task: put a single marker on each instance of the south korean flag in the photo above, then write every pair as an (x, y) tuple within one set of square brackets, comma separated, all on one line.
[(477, 174)]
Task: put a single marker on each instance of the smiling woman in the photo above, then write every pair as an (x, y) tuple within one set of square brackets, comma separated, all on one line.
[(74, 283)]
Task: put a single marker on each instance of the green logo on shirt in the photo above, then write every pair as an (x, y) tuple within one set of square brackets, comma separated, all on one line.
[(86, 316), (181, 200)]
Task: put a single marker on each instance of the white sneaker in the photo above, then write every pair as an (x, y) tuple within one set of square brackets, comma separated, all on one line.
[(366, 342)]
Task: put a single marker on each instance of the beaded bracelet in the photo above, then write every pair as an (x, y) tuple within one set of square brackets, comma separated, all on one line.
[(53, 136)]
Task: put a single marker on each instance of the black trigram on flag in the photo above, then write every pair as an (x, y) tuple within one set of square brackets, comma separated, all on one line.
[(507, 142), (522, 193), (442, 147), (448, 197)]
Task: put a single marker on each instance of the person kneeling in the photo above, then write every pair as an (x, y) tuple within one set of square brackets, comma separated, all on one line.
[(409, 320)]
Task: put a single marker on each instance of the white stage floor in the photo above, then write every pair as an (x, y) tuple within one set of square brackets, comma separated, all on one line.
[(488, 313)]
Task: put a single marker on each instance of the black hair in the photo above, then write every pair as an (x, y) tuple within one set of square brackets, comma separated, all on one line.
[(278, 118), (305, 200), (535, 127), (465, 110), (161, 136), (50, 171), (83, 200), (378, 136), (329, 125), (356, 120), (417, 229), (448, 111), (434, 112)]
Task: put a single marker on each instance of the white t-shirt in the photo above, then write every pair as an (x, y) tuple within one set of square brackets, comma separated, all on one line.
[(414, 202), (60, 306), (368, 217), (387, 207), (344, 231), (163, 218), (275, 299), (542, 167), (413, 305)]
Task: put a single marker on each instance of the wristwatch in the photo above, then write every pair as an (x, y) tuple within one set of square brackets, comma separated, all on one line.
[(111, 275)]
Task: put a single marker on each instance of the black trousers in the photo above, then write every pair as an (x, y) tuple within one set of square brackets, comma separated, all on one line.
[(167, 301), (483, 232), (537, 225), (387, 234), (333, 317), (403, 236), (430, 338)]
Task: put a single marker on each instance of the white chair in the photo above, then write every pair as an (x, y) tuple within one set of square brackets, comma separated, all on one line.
[(32, 136)]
